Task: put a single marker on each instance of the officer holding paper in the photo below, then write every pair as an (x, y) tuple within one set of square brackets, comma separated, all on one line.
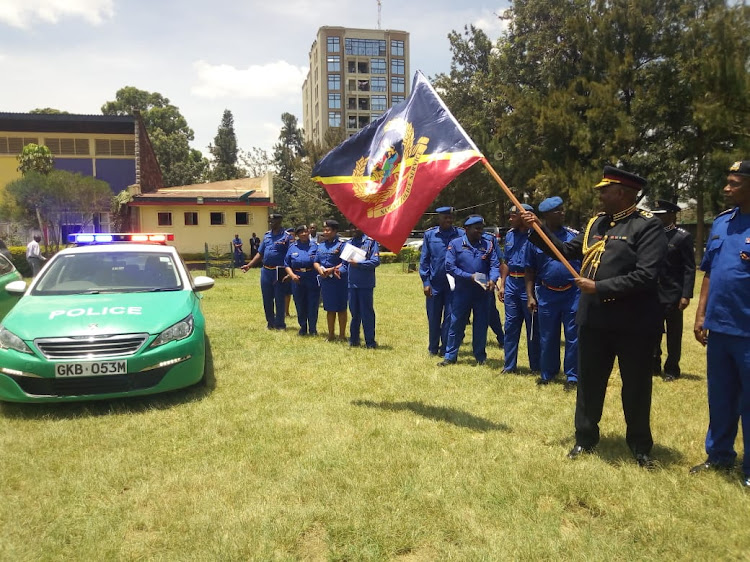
[(472, 260)]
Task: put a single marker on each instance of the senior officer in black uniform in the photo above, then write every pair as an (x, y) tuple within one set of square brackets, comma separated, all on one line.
[(618, 316), (676, 282)]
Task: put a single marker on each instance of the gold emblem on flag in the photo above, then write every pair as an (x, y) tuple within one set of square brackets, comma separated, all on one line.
[(389, 183)]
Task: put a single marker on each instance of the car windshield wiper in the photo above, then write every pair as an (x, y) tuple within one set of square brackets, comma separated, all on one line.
[(155, 290)]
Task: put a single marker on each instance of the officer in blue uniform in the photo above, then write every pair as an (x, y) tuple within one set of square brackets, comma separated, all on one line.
[(722, 323), (271, 253), (472, 261), (552, 293), (362, 287), (333, 278), (439, 297), (493, 320), (304, 280), (676, 281), (239, 256), (513, 293)]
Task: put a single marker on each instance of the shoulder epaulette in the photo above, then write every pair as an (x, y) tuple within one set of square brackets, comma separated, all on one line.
[(571, 230), (431, 229), (601, 214), (682, 230), (725, 212), (646, 214)]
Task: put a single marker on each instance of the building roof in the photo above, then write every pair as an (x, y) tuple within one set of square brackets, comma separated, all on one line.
[(67, 123), (248, 190)]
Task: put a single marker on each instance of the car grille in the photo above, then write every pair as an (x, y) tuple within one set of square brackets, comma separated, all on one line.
[(91, 347), (88, 386)]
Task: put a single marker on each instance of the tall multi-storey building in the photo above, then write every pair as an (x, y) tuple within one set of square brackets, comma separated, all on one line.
[(355, 76)]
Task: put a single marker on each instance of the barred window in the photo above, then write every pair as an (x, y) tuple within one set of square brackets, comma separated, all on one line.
[(164, 219)]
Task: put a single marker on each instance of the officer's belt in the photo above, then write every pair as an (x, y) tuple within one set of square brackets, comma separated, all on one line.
[(551, 288), (303, 269), (270, 267), (517, 274)]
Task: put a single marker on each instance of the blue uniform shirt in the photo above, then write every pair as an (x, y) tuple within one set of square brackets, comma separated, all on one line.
[(301, 256), (274, 247), (515, 250), (329, 253), (432, 260), (362, 275), (727, 263), (464, 259), (548, 270)]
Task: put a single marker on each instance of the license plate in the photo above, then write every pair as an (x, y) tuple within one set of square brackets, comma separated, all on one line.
[(91, 369)]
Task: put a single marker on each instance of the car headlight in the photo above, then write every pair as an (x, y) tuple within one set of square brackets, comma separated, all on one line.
[(9, 340), (178, 331)]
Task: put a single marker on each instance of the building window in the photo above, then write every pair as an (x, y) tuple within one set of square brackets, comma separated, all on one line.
[(352, 103), (334, 101), (14, 145), (363, 120), (363, 68), (379, 103), (164, 219), (363, 85), (217, 218), (378, 84), (242, 219), (114, 147), (351, 122), (363, 104), (191, 218), (68, 147), (397, 48), (396, 99), (333, 44), (398, 84), (397, 66), (334, 119), (334, 63), (334, 82), (377, 66), (365, 47), (351, 66)]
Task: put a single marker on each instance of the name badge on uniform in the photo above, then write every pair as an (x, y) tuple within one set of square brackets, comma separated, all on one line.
[(745, 255), (747, 240)]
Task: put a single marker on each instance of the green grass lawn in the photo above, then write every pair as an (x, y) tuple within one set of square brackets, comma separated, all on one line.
[(300, 449)]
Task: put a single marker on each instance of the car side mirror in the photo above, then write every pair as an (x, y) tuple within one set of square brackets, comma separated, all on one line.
[(16, 288), (203, 283)]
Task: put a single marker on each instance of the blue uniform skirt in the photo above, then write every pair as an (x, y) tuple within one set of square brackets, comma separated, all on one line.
[(334, 292)]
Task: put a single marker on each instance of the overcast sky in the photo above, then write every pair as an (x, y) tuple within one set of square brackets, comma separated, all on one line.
[(249, 57)]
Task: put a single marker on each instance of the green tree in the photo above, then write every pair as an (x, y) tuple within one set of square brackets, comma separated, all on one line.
[(289, 148), (168, 131), (257, 162), (224, 151), (47, 111), (35, 158)]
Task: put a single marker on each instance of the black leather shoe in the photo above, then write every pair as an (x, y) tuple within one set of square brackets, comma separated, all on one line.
[(577, 451), (746, 481), (541, 382), (710, 465), (446, 363), (669, 378), (481, 363), (644, 461), (570, 386)]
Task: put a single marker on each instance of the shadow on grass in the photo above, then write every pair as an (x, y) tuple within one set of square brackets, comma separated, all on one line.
[(117, 406), (459, 418)]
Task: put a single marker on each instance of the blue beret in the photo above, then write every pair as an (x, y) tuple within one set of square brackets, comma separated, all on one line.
[(550, 203), (663, 207), (526, 207), (445, 210), (741, 167), (473, 219)]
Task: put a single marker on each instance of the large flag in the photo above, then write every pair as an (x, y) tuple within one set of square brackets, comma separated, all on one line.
[(384, 177)]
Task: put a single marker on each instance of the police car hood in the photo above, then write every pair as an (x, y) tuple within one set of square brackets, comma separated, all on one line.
[(107, 313)]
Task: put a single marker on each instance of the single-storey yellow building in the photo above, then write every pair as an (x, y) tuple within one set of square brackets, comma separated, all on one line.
[(206, 213)]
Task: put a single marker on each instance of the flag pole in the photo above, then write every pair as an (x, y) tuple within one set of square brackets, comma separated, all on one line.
[(536, 227)]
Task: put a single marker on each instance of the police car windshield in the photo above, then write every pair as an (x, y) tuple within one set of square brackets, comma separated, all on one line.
[(108, 272)]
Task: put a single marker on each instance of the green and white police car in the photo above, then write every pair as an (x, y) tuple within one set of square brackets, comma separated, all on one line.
[(115, 315)]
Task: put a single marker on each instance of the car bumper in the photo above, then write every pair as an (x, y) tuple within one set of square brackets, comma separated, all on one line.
[(26, 378)]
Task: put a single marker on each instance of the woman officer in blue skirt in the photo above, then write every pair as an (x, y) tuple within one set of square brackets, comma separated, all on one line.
[(333, 278)]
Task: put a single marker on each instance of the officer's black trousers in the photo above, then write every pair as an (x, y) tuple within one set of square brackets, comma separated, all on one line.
[(673, 321), (597, 350)]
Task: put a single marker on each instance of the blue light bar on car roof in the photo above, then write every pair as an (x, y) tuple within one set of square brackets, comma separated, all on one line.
[(142, 237)]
